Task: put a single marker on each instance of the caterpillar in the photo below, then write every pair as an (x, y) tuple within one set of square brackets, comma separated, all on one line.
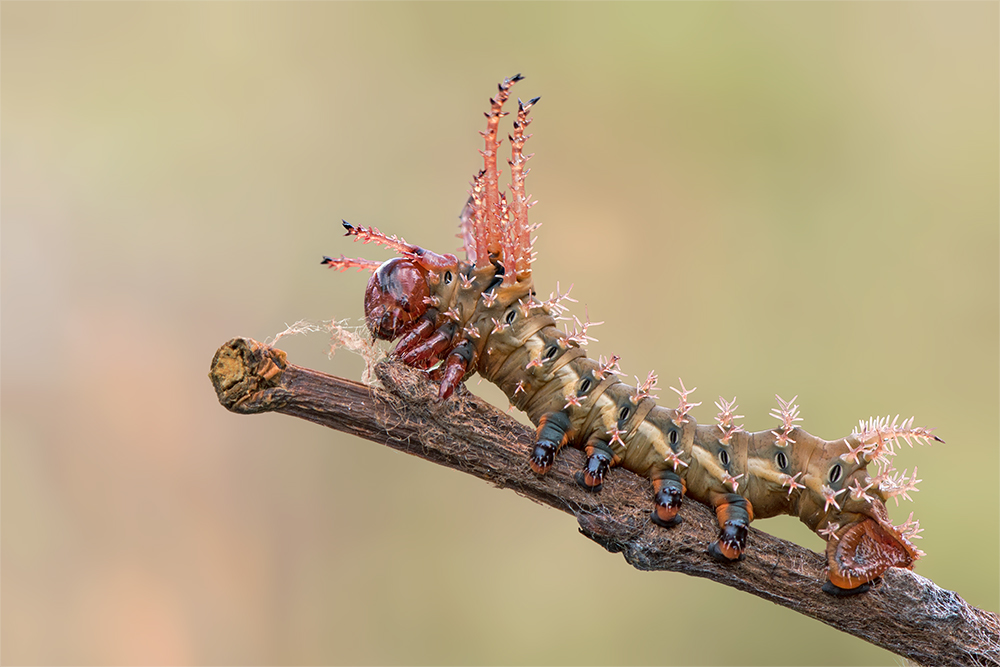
[(455, 318)]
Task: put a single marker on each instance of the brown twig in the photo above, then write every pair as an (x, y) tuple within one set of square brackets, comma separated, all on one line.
[(907, 614)]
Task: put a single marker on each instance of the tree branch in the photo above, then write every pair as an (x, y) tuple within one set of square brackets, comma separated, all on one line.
[(908, 614)]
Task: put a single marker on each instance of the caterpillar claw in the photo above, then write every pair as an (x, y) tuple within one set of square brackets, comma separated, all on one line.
[(599, 459), (731, 543), (543, 456)]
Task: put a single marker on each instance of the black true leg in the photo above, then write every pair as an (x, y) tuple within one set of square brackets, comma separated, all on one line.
[(427, 353), (456, 364)]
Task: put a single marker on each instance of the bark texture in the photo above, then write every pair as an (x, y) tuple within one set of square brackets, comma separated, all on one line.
[(907, 614)]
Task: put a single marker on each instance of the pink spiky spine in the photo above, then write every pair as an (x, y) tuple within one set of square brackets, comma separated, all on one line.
[(492, 222), (508, 243), (467, 224), (644, 389), (478, 251), (726, 419), (343, 263), (609, 367), (554, 303), (373, 235), (684, 406), (496, 226), (579, 334), (788, 413), (429, 260), (880, 437), (519, 231)]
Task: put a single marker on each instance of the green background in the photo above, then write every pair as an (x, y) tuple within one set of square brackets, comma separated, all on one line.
[(781, 198)]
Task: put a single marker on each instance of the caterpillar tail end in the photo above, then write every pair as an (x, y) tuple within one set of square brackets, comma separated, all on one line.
[(860, 552), (455, 367)]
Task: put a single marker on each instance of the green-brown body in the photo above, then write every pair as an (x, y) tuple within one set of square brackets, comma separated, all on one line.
[(456, 318)]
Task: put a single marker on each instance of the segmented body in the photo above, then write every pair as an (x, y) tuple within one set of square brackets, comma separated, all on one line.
[(455, 318)]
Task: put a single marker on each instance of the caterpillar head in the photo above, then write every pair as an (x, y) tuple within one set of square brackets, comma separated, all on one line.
[(402, 288), (397, 294)]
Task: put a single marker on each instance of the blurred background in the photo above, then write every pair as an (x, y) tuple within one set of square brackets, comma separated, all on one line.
[(791, 198)]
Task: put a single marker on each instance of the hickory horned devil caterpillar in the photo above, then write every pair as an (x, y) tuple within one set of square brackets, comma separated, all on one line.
[(454, 318)]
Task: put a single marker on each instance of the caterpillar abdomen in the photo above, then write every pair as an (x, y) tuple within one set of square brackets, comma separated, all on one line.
[(455, 318)]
